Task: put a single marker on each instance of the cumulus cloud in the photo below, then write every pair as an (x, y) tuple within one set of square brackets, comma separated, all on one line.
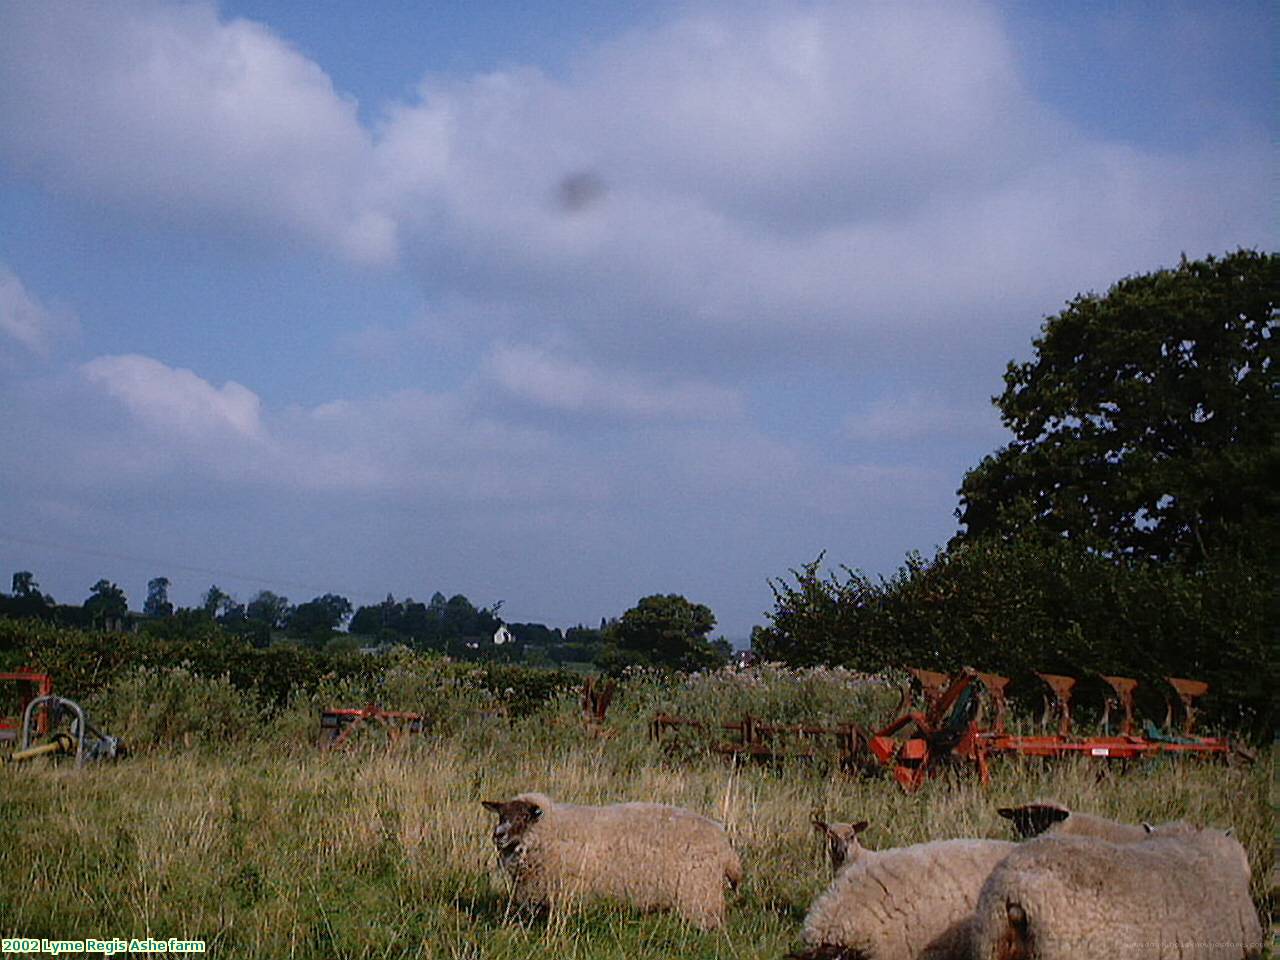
[(27, 320), (178, 402), (535, 376), (865, 182), (816, 172), (169, 110)]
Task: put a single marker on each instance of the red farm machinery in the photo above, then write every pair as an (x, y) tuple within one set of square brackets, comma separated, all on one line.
[(949, 723), (47, 725), (950, 726)]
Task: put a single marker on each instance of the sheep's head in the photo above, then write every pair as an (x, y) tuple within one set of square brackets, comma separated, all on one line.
[(1033, 819), (515, 817), (842, 840)]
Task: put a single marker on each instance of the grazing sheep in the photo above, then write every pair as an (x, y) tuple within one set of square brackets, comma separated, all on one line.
[(652, 856), (905, 903), (1181, 894)]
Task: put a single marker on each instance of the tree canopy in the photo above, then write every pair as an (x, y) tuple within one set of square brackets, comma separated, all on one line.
[(315, 620), (1146, 424), (665, 631)]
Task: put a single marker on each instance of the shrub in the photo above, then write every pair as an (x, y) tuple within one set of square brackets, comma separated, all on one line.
[(171, 706)]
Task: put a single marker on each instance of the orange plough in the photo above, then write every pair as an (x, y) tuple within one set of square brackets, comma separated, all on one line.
[(948, 730)]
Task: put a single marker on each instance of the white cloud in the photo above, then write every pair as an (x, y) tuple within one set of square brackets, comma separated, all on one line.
[(27, 320), (535, 376), (836, 175), (859, 183), (177, 402), (168, 110)]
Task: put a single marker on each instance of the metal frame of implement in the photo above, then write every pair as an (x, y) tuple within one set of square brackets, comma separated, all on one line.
[(949, 726), (942, 731), (81, 740), (342, 723), (10, 727)]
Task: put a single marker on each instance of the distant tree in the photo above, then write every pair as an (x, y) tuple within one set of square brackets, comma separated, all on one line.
[(269, 608), (233, 612), (106, 603), (27, 600), (215, 601), (157, 603), (316, 620), (367, 621), (580, 645), (459, 617), (414, 623), (664, 631), (538, 634), (1148, 423), (24, 584), (436, 606)]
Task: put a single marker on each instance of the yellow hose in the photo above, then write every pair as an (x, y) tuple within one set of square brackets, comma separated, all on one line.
[(61, 743)]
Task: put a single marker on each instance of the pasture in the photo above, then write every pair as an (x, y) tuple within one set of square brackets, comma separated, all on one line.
[(265, 847)]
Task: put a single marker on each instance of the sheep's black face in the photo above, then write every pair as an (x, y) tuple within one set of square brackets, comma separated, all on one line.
[(1033, 819), (515, 817)]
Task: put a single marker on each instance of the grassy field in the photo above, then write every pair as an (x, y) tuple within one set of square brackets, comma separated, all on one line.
[(271, 849)]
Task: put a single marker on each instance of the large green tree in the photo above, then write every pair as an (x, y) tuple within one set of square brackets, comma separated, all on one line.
[(1146, 424), (664, 631)]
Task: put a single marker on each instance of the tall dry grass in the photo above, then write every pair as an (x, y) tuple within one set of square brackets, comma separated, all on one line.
[(270, 848)]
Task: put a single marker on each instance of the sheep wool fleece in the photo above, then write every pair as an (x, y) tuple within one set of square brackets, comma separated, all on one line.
[(1179, 896), (906, 903), (650, 855)]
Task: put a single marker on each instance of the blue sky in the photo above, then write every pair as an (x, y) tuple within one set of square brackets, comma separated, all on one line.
[(561, 307)]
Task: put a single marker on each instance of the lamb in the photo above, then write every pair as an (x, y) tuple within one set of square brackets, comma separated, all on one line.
[(842, 841), (905, 903), (1181, 894), (653, 856)]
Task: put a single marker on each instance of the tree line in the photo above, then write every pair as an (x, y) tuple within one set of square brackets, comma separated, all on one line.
[(660, 631)]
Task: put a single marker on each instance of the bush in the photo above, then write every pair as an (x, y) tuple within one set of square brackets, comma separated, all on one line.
[(171, 706), (1019, 606)]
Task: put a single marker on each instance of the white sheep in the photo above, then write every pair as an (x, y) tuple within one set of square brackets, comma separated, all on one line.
[(1179, 894), (650, 855), (904, 903)]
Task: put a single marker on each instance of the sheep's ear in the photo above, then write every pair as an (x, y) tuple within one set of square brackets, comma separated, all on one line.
[(860, 826), (821, 825), (1148, 827), (493, 805)]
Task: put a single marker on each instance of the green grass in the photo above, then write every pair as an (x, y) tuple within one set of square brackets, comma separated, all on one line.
[(272, 852)]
